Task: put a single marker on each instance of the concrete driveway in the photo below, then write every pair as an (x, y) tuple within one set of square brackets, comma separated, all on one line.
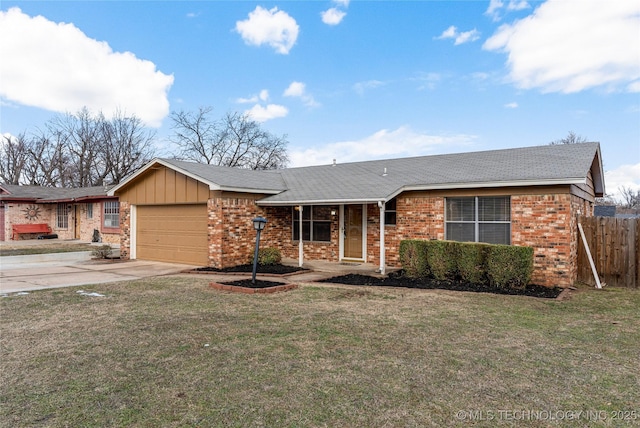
[(23, 275)]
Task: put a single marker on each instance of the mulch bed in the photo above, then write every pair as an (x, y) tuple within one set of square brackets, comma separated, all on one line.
[(248, 284), (397, 279), (248, 287), (248, 268)]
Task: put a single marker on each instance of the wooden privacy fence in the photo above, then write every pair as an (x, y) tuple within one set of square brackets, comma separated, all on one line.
[(615, 248)]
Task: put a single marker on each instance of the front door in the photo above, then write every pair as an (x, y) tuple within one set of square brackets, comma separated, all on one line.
[(76, 222), (353, 231)]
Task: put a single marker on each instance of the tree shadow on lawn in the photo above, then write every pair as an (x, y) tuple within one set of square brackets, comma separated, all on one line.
[(398, 279)]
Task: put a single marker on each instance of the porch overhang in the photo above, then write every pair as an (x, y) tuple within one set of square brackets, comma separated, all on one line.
[(318, 202)]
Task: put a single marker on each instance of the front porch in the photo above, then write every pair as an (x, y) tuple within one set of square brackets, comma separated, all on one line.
[(323, 267), (333, 236)]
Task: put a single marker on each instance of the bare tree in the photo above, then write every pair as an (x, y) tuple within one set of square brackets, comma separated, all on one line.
[(235, 140), (84, 138), (630, 197), (127, 147), (48, 163), (14, 153), (196, 136), (571, 138), (77, 150)]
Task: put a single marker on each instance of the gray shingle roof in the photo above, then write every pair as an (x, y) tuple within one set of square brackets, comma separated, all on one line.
[(52, 194), (604, 211), (365, 181), (368, 182), (230, 178)]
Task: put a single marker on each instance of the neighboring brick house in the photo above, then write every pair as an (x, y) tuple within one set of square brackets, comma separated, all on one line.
[(70, 213), (201, 214)]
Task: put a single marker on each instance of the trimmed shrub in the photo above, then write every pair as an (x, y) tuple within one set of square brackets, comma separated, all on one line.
[(413, 257), (268, 256), (102, 252), (471, 262), (509, 266), (442, 259), (502, 266)]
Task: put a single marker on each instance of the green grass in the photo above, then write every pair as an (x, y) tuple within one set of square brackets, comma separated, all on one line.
[(9, 250), (171, 352)]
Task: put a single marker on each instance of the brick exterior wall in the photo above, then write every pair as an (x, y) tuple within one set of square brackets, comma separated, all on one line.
[(125, 230), (280, 235), (546, 222), (417, 217), (232, 236), (14, 214)]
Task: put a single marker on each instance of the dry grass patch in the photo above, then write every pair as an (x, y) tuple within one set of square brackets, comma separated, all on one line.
[(171, 352)]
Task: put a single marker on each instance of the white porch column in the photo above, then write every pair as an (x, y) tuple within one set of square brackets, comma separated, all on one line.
[(300, 245), (381, 205)]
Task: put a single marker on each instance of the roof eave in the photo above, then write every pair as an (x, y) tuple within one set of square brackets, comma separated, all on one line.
[(9, 198), (319, 202), (493, 184), (425, 187)]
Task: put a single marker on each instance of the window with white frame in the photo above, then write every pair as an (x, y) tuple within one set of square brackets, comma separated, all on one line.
[(479, 219), (89, 210), (62, 216), (390, 212), (316, 223), (111, 214)]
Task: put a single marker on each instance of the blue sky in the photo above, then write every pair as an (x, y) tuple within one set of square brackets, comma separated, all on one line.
[(345, 80)]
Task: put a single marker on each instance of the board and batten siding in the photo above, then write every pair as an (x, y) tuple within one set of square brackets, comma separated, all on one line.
[(161, 185)]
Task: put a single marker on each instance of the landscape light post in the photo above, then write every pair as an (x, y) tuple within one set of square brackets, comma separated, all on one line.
[(258, 225)]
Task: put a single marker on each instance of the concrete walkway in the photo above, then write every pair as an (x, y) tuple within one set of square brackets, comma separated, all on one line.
[(44, 271), (38, 276)]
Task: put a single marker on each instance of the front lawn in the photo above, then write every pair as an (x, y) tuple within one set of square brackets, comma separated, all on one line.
[(8, 249), (169, 352)]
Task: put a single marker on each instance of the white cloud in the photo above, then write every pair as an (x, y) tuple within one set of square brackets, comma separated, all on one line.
[(55, 66), (402, 142), (511, 105), (428, 80), (262, 96), (492, 10), (333, 16), (518, 5), (270, 111), (460, 38), (625, 175), (272, 27), (295, 89), (495, 7), (597, 47), (360, 87), (298, 90)]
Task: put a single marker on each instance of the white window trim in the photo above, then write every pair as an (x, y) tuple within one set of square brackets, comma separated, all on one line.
[(295, 217), (476, 222)]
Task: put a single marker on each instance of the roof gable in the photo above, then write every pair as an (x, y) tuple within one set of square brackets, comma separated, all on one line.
[(216, 177)]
